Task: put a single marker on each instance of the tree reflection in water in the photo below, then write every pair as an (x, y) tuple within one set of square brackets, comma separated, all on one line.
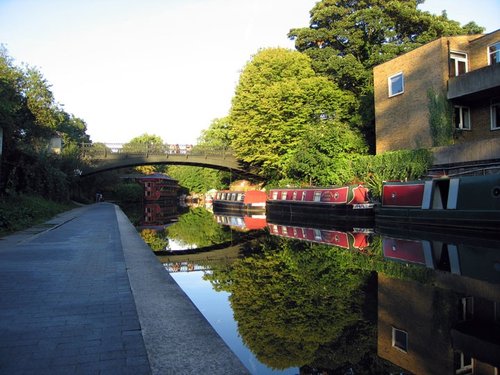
[(304, 305)]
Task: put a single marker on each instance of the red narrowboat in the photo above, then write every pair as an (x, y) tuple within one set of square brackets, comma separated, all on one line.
[(252, 200), (336, 202), (467, 202)]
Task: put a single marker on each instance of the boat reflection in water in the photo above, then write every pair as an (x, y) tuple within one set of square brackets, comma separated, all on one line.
[(451, 323), (352, 238), (243, 222)]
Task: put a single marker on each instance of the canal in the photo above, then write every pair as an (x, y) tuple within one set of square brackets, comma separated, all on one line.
[(306, 297)]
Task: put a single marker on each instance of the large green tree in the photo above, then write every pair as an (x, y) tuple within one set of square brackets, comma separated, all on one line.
[(29, 117), (347, 38), (279, 98)]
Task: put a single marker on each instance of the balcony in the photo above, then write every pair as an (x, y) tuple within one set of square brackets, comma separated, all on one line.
[(477, 84)]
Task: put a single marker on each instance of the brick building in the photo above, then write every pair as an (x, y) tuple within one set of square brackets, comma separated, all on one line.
[(465, 72)]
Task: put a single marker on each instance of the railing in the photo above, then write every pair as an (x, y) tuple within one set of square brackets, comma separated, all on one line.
[(105, 150)]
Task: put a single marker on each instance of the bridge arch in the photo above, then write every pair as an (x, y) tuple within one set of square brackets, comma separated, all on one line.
[(100, 158)]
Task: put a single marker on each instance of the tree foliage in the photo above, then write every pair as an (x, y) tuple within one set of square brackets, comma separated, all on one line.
[(346, 39), (278, 100), (218, 134), (198, 179), (147, 144), (157, 240), (324, 154), (29, 117), (198, 228)]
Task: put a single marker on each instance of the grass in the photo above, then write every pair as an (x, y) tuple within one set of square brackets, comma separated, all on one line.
[(23, 211)]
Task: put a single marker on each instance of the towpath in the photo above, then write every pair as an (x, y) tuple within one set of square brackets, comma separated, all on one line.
[(83, 294)]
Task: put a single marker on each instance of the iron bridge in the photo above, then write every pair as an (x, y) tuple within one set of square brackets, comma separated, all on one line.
[(102, 157)]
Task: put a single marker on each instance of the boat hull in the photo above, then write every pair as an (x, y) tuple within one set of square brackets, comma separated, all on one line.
[(335, 204), (318, 211), (469, 203), (240, 201), (464, 219)]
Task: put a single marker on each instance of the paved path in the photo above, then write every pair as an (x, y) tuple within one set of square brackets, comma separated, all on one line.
[(83, 294)]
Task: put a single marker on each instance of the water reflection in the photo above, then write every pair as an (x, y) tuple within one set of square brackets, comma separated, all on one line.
[(317, 298)]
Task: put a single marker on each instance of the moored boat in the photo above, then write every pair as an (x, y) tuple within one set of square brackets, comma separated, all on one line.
[(251, 200), (342, 202), (467, 202)]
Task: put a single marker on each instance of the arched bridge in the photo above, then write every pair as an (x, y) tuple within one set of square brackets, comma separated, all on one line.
[(102, 157)]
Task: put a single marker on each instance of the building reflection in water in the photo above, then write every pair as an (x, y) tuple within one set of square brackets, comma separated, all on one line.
[(452, 324)]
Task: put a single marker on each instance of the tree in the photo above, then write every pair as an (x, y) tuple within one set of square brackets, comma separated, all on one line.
[(217, 135), (29, 117), (198, 179), (324, 155), (346, 39), (146, 144), (278, 99)]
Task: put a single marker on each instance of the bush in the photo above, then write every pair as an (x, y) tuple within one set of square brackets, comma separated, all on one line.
[(18, 212), (129, 192), (393, 165)]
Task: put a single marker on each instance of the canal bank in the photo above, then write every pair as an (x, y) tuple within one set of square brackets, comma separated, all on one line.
[(84, 294)]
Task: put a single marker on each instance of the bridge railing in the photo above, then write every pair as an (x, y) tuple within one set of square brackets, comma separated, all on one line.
[(111, 150)]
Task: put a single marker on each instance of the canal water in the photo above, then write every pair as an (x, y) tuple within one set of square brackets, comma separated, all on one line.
[(306, 297)]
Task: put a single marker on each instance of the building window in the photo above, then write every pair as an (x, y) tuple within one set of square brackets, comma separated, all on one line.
[(283, 195), (400, 339), (494, 53), (466, 308), (458, 63), (495, 116), (396, 84), (462, 363), (462, 117)]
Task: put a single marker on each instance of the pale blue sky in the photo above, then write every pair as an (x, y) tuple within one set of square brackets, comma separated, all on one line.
[(166, 67)]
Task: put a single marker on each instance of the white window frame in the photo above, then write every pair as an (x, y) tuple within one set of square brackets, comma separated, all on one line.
[(466, 308), (464, 368), (395, 344), (389, 82), (463, 118), (494, 108), (456, 57), (496, 45)]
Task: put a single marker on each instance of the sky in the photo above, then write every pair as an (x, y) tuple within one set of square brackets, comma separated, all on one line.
[(162, 67)]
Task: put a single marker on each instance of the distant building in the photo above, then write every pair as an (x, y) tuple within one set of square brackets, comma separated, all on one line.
[(465, 72), (157, 186)]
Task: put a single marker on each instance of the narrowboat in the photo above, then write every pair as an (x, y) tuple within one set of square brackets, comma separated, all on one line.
[(353, 239), (465, 202), (251, 200), (345, 202)]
